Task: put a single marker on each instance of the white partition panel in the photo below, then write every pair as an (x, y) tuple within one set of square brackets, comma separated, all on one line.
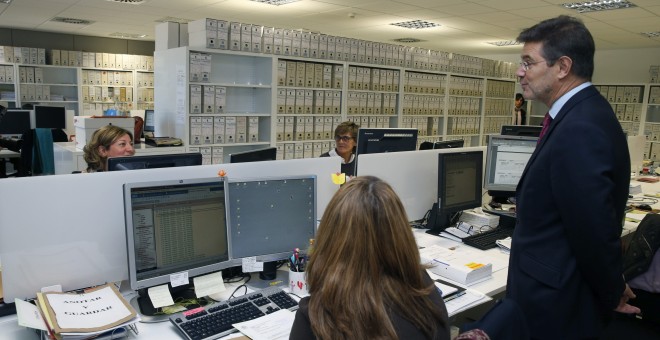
[(412, 174), (69, 229)]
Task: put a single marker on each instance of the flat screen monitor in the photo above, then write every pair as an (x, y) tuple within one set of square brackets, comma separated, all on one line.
[(521, 130), (459, 187), (14, 123), (266, 154), (149, 122), (49, 117), (268, 218), (174, 227), (506, 158), (443, 144), (154, 161), (379, 140)]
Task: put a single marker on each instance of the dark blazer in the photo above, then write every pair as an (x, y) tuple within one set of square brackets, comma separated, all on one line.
[(565, 268)]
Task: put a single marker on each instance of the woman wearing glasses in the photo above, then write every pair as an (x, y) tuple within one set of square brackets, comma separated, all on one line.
[(345, 142)]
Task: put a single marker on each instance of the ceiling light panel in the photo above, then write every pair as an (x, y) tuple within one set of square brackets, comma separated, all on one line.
[(504, 43), (407, 40), (415, 24), (275, 2), (600, 5), (130, 2), (72, 21), (651, 34)]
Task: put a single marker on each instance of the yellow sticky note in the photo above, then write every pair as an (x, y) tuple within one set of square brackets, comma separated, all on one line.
[(338, 178), (473, 265)]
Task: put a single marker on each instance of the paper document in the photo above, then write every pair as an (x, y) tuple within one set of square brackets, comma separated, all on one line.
[(463, 302), (209, 284), (29, 315), (273, 326), (160, 296)]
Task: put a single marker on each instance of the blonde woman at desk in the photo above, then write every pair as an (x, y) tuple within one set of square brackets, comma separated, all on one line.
[(364, 274), (107, 141)]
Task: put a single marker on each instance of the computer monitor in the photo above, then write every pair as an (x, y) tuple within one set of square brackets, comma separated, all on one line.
[(154, 161), (443, 144), (174, 227), (268, 218), (266, 154), (379, 140), (459, 187), (14, 123), (149, 123), (521, 130), (506, 158), (49, 117)]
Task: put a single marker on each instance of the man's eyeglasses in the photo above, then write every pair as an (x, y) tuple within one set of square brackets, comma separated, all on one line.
[(343, 138), (526, 64)]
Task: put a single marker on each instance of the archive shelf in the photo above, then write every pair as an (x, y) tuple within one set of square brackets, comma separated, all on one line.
[(292, 97)]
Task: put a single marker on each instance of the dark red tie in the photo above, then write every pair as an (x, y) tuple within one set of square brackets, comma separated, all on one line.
[(546, 124)]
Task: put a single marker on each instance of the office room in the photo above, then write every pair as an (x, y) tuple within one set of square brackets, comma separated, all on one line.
[(231, 77)]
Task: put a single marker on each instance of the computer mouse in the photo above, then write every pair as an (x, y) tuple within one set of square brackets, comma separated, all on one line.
[(644, 207)]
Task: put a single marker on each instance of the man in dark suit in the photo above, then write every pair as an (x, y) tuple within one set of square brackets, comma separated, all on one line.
[(565, 269)]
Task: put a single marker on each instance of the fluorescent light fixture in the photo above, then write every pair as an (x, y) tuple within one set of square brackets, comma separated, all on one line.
[(130, 2), (174, 19), (651, 34), (128, 35), (504, 43), (407, 40), (5, 1), (72, 21), (599, 5), (275, 2), (415, 24)]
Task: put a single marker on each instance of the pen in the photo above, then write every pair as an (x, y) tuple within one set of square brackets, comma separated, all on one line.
[(446, 264)]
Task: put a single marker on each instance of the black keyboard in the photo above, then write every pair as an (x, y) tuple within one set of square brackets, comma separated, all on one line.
[(215, 320), (486, 239)]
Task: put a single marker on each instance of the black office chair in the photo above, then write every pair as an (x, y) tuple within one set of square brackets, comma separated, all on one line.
[(37, 158)]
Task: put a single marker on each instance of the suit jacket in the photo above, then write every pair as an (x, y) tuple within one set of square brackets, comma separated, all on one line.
[(565, 268)]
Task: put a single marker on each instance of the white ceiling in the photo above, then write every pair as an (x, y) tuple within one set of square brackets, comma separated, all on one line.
[(466, 25)]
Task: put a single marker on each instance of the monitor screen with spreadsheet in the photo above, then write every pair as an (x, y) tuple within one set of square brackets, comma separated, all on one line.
[(506, 158), (175, 226)]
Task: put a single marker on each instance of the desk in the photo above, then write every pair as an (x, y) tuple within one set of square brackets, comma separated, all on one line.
[(68, 158)]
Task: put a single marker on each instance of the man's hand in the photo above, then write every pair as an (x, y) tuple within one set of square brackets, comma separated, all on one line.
[(623, 306)]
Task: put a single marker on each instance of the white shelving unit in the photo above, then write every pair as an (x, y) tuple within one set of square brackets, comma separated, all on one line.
[(279, 92)]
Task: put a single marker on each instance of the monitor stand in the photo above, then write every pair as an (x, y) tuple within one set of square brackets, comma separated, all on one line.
[(269, 277), (149, 314)]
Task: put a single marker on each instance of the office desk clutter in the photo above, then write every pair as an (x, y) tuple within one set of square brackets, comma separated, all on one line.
[(98, 312)]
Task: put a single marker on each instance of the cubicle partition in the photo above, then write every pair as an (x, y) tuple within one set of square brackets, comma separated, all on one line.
[(69, 230), (412, 174)]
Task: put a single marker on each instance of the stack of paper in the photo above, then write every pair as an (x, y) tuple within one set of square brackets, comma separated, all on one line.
[(101, 312), (458, 264)]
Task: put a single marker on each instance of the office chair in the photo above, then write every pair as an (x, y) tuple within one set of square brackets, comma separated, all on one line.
[(37, 156)]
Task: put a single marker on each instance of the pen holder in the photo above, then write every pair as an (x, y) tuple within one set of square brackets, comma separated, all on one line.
[(298, 283)]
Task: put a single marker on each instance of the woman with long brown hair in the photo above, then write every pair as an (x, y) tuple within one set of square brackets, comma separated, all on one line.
[(364, 275)]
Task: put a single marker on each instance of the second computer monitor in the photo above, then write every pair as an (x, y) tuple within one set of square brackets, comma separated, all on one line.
[(259, 155), (14, 123), (521, 130), (443, 144), (506, 158), (154, 161), (269, 218), (49, 117), (379, 140), (459, 187)]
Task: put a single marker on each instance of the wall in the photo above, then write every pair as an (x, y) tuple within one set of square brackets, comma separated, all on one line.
[(71, 42), (612, 66)]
